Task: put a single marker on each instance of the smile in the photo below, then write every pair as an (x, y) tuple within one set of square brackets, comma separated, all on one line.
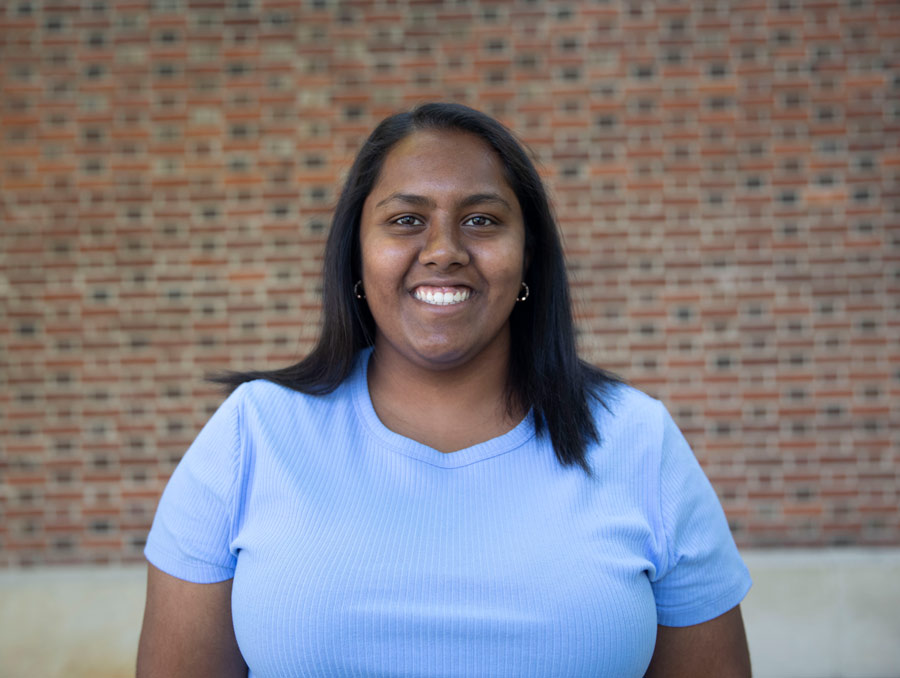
[(442, 296)]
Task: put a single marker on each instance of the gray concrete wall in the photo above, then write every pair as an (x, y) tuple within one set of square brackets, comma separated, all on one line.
[(810, 614), (70, 622), (824, 614)]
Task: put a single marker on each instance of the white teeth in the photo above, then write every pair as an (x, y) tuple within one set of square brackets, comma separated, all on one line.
[(441, 298)]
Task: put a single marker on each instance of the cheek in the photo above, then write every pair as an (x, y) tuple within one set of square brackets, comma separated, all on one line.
[(507, 266), (384, 264)]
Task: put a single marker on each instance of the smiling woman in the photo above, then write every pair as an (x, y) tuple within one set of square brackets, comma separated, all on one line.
[(440, 222), (442, 487)]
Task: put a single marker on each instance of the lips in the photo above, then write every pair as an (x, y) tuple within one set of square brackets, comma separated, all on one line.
[(442, 296)]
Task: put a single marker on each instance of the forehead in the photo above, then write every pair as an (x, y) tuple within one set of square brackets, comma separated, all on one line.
[(442, 160)]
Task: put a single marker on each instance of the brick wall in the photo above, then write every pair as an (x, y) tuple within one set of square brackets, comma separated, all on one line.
[(725, 174)]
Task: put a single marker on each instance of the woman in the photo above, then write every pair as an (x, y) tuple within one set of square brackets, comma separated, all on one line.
[(442, 487)]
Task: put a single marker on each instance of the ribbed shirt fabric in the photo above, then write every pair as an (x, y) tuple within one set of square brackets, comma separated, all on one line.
[(358, 552)]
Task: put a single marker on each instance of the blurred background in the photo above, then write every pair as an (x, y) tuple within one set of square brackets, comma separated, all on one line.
[(726, 176)]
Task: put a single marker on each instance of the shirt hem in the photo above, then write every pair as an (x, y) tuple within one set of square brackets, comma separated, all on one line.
[(191, 572), (697, 614)]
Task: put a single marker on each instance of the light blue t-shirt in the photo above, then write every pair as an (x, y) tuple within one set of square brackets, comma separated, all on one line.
[(358, 552)]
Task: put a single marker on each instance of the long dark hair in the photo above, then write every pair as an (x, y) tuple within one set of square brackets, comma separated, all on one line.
[(545, 372)]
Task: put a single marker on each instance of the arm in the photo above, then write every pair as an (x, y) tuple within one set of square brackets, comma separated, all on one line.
[(713, 649), (187, 630)]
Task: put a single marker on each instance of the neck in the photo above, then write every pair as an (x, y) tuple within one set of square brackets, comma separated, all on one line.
[(447, 409)]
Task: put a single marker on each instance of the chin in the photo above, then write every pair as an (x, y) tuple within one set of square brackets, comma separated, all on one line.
[(443, 359), (441, 355), (437, 351)]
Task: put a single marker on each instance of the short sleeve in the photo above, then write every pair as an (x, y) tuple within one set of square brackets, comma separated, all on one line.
[(192, 530), (704, 575)]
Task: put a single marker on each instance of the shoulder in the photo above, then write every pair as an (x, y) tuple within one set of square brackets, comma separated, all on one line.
[(265, 391), (636, 432), (619, 406), (264, 400)]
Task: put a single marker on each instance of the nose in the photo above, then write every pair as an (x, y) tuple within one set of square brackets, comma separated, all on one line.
[(444, 247)]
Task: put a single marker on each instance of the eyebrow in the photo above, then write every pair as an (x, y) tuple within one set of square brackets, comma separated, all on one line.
[(468, 201)]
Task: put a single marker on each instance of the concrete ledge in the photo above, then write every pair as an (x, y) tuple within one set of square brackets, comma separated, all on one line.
[(77, 622), (824, 613), (810, 614)]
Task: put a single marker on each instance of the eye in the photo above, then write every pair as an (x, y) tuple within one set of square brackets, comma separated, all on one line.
[(479, 220), (407, 220)]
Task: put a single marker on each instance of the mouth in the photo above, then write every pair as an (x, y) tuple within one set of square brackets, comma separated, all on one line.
[(442, 296)]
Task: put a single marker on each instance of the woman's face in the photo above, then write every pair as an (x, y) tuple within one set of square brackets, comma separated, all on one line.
[(443, 251)]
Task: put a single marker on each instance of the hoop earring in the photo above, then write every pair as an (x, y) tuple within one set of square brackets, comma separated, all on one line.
[(356, 288), (524, 292)]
